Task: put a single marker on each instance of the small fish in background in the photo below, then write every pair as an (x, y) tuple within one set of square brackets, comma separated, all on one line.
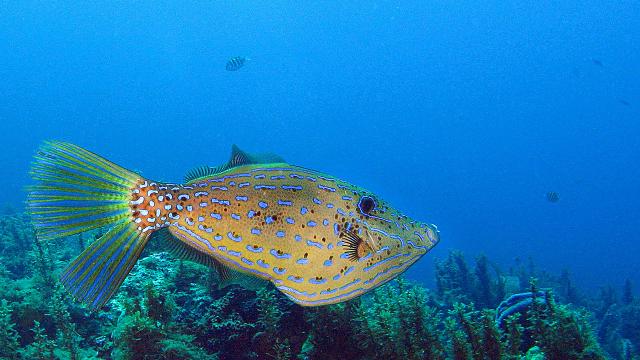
[(553, 196), (624, 102), (235, 63), (597, 62)]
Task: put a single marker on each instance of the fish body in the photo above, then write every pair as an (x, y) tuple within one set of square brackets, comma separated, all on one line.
[(553, 196), (318, 239), (235, 63)]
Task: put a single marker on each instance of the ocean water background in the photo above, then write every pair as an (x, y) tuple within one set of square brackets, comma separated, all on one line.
[(463, 114)]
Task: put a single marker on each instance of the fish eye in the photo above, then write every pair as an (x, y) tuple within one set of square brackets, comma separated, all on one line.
[(366, 204)]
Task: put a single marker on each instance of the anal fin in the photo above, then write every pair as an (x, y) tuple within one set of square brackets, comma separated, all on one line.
[(226, 275), (181, 249)]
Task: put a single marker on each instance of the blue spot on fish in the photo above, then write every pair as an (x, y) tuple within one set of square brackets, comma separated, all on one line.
[(313, 243), (235, 216), (279, 271), (279, 255), (317, 281), (216, 216), (311, 223), (327, 188), (251, 214), (285, 202), (290, 221), (232, 236), (328, 292), (263, 264), (302, 261), (269, 220), (303, 210), (254, 249), (242, 198), (255, 231), (280, 234), (317, 201), (295, 279), (263, 204), (327, 263), (246, 261)]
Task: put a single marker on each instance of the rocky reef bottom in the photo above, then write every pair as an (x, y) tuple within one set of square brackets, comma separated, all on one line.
[(172, 309)]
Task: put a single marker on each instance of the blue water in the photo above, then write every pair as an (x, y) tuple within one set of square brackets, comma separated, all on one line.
[(460, 113)]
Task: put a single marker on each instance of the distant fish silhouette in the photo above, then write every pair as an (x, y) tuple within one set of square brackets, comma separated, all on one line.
[(553, 196), (624, 102), (597, 62), (235, 63)]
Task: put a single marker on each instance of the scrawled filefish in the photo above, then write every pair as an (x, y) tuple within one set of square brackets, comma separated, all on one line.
[(235, 63), (318, 239)]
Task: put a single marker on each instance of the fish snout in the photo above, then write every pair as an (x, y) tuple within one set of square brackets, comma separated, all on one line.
[(433, 234), (430, 235)]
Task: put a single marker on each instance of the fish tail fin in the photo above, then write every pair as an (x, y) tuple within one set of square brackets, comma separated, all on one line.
[(77, 191)]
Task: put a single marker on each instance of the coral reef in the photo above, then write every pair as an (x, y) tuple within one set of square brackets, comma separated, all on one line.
[(169, 308)]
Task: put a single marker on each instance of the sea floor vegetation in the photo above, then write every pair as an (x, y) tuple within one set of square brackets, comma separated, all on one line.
[(173, 309)]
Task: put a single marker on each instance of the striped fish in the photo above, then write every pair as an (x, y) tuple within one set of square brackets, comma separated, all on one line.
[(318, 239), (235, 63)]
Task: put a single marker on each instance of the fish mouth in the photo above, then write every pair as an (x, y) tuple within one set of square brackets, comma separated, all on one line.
[(426, 239), (432, 234)]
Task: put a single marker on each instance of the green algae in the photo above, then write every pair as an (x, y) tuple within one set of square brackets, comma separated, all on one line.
[(173, 309)]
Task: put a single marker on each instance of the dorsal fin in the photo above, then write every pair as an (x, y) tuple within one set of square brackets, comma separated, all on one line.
[(238, 158), (226, 275), (203, 171)]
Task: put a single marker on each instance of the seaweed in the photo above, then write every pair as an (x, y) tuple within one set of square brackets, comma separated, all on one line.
[(9, 337), (169, 308), (455, 282)]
